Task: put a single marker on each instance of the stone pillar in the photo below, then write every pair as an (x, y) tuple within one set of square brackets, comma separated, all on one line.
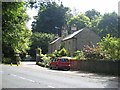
[(37, 55), (18, 59)]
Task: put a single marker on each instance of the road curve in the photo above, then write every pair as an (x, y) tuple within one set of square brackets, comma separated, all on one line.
[(29, 75)]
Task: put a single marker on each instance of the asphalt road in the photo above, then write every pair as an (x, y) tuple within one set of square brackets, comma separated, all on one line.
[(29, 75)]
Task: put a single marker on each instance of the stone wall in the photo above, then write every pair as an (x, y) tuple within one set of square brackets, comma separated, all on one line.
[(97, 66)]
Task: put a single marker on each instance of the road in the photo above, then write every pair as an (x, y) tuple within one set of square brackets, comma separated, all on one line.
[(29, 75)]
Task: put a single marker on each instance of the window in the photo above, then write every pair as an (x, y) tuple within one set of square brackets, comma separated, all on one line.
[(64, 60), (54, 60)]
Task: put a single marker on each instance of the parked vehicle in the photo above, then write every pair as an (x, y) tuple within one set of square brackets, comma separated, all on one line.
[(60, 63)]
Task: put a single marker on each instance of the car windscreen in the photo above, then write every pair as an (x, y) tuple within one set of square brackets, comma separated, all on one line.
[(64, 60), (54, 60)]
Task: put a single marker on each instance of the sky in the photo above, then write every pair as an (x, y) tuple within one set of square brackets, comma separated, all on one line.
[(103, 6)]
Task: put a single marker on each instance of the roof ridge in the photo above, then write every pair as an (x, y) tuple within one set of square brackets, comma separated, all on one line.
[(73, 34)]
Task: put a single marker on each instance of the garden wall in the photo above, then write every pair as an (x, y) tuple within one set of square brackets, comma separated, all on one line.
[(97, 66)]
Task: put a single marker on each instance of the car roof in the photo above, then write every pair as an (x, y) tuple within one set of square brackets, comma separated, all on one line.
[(66, 57)]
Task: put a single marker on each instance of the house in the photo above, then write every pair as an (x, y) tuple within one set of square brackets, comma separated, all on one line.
[(78, 39), (54, 45), (75, 41)]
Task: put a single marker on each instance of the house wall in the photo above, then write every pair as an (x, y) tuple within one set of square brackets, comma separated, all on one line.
[(54, 46), (68, 44), (85, 38), (49, 49)]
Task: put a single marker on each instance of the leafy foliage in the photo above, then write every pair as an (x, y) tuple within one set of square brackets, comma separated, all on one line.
[(63, 52), (46, 61), (92, 14), (108, 48), (80, 21), (50, 16), (106, 24), (40, 40), (111, 47), (59, 53), (15, 35), (6, 60), (94, 53), (39, 51), (79, 55)]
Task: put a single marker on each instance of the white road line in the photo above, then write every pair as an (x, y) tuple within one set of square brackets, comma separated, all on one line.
[(50, 86), (1, 71), (22, 78)]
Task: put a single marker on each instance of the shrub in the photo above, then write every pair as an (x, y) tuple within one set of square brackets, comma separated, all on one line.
[(94, 53), (6, 60), (46, 61), (59, 53), (79, 55), (55, 53), (111, 47), (39, 51), (63, 52)]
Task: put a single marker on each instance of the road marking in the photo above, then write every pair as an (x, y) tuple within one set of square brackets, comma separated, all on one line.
[(22, 78), (1, 71), (50, 86)]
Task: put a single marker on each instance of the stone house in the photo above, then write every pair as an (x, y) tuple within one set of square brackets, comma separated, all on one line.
[(78, 39), (75, 41), (54, 45)]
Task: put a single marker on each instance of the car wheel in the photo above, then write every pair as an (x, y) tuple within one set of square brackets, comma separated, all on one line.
[(56, 67), (67, 69), (50, 67)]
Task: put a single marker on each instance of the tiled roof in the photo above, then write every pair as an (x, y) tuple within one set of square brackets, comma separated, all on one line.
[(55, 40), (73, 34)]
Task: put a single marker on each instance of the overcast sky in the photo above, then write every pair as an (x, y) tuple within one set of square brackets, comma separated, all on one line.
[(103, 6)]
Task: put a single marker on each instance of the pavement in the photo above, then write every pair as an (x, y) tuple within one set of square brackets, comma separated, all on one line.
[(29, 75)]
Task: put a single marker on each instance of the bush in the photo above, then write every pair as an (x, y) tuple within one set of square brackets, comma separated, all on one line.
[(63, 52), (55, 53), (111, 47), (45, 61), (94, 53), (39, 51), (79, 55), (59, 53), (6, 60)]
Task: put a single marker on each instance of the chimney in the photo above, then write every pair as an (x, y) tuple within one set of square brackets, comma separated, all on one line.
[(73, 28), (64, 32)]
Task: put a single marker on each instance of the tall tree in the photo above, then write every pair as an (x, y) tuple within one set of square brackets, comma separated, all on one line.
[(40, 40), (108, 25), (92, 14), (50, 19), (80, 21), (15, 35)]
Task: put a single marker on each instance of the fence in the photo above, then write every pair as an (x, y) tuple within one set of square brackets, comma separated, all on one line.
[(97, 66)]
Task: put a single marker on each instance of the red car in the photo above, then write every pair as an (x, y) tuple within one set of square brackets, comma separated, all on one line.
[(60, 63)]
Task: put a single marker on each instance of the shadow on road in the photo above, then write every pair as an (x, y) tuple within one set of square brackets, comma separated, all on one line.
[(113, 83)]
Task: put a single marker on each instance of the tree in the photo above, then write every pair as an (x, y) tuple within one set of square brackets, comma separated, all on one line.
[(92, 14), (40, 40), (80, 21), (95, 18), (50, 16), (118, 26), (108, 25), (15, 35)]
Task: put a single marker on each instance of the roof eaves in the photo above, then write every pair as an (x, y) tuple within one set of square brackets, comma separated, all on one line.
[(72, 35), (54, 41)]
